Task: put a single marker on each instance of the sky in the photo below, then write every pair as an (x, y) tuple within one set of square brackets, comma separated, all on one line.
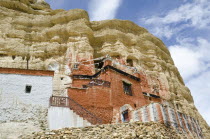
[(183, 26)]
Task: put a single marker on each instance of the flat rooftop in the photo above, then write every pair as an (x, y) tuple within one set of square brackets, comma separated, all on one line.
[(26, 71)]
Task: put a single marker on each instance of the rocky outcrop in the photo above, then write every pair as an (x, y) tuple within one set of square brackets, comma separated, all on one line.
[(121, 131), (34, 36)]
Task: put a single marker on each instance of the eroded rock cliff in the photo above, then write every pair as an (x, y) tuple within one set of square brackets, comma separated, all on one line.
[(34, 36)]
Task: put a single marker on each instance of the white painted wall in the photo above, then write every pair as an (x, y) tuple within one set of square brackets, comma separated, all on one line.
[(151, 111), (16, 105), (60, 117), (136, 115), (13, 86), (144, 114)]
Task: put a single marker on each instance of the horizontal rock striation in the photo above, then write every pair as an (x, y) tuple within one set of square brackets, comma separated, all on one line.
[(36, 37)]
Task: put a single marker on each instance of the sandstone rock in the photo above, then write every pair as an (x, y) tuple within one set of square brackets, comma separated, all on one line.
[(30, 32), (113, 131), (67, 132)]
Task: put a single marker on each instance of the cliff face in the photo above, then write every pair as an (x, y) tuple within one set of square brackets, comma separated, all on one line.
[(34, 36)]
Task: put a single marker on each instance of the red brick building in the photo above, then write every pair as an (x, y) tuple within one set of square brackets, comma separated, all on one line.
[(106, 91), (111, 90)]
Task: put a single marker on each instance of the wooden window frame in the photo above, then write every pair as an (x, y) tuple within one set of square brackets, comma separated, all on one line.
[(127, 87)]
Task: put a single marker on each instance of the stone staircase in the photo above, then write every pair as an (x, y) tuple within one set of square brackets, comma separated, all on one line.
[(65, 112), (61, 117)]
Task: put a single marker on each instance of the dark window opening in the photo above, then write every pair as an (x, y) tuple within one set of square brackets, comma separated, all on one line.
[(135, 105), (127, 88), (28, 88), (150, 98), (177, 106), (61, 78), (13, 57), (98, 64), (129, 62), (125, 116), (84, 86), (154, 96), (145, 93)]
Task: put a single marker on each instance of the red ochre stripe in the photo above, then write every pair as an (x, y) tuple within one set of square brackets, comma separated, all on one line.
[(26, 71)]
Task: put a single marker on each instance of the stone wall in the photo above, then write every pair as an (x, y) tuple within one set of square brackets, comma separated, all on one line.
[(105, 100), (121, 131)]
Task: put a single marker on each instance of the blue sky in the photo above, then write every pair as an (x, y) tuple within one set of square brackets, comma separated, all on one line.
[(183, 25)]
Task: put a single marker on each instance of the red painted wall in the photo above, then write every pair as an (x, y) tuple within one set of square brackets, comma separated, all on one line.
[(101, 100)]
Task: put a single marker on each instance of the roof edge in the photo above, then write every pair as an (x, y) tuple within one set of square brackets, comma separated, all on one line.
[(26, 71)]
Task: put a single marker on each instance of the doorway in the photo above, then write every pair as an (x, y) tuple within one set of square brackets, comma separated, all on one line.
[(125, 116)]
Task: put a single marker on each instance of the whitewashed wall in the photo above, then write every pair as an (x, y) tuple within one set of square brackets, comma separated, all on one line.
[(59, 117), (18, 106)]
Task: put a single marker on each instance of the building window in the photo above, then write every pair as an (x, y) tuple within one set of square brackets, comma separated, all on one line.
[(127, 88), (28, 89), (129, 62), (76, 65), (98, 64), (177, 106), (13, 57), (125, 116)]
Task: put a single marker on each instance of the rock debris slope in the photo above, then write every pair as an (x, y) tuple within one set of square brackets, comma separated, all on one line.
[(135, 130), (33, 35)]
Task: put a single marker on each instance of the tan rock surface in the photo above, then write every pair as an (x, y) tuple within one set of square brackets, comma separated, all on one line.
[(135, 130), (33, 35)]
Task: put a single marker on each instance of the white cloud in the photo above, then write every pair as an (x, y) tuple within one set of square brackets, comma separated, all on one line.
[(163, 32), (193, 61), (200, 87), (186, 60), (191, 58), (191, 54), (195, 14), (103, 9)]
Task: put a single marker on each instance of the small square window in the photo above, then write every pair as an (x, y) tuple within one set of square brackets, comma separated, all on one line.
[(129, 62), (98, 64), (28, 89), (76, 66), (127, 88)]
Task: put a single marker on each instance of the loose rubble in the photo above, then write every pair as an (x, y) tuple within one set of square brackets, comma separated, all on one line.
[(33, 34), (134, 130)]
